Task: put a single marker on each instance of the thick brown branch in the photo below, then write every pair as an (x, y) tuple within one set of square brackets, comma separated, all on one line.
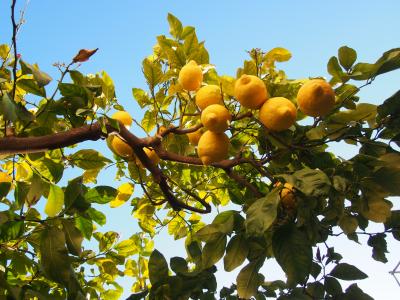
[(18, 145)]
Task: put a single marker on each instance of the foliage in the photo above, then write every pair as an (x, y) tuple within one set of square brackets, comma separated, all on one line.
[(41, 251)]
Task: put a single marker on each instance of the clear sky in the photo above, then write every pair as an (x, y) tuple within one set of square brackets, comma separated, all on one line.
[(125, 32)]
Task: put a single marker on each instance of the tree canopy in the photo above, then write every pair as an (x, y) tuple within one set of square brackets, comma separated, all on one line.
[(281, 191)]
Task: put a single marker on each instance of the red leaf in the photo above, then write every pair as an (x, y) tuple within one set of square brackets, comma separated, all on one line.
[(84, 55)]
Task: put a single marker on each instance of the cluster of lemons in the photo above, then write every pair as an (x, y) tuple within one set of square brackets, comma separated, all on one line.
[(315, 98)]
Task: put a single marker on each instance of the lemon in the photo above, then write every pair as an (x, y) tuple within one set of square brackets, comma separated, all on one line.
[(316, 98), (151, 154), (4, 177), (213, 147), (288, 198), (216, 118), (278, 114), (194, 137), (190, 76), (378, 210), (120, 147), (207, 95), (250, 91), (124, 117)]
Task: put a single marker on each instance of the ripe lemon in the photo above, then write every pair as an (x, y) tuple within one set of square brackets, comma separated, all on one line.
[(4, 177), (378, 210), (120, 147), (278, 114), (207, 95), (124, 117), (190, 76), (194, 137), (288, 198), (216, 118), (151, 154), (213, 147), (316, 98), (250, 91)]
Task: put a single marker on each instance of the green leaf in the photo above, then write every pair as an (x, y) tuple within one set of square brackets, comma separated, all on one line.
[(347, 57), (332, 286), (310, 182), (393, 222), (85, 226), (97, 216), (211, 232), (262, 213), (141, 97), (334, 68), (4, 189), (55, 201), (379, 247), (248, 280), (353, 292), (89, 159), (107, 240), (41, 78), (73, 237), (8, 108), (213, 252), (363, 112), (158, 267), (293, 252), (175, 26), (149, 121), (236, 252), (101, 194), (54, 255), (391, 106), (388, 178), (152, 72), (389, 61), (178, 265), (346, 271), (316, 290), (363, 71), (49, 169), (31, 86), (11, 230)]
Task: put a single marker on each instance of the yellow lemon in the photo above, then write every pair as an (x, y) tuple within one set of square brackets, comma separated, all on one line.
[(190, 76), (151, 154), (120, 147), (213, 147), (378, 210), (216, 118), (250, 91), (124, 117), (194, 137), (4, 177), (278, 114), (316, 98), (207, 95), (288, 198)]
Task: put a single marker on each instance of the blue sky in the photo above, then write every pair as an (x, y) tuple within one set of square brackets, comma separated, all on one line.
[(125, 32)]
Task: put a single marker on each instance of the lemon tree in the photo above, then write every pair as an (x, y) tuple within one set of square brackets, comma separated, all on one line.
[(252, 146)]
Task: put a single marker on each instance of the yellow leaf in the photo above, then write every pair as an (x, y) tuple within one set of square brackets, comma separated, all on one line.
[(277, 54), (125, 191), (55, 201)]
